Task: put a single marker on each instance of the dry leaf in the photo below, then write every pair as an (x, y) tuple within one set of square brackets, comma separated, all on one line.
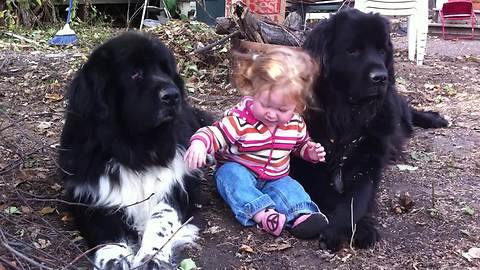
[(213, 230), (66, 217), (46, 210), (44, 125), (53, 97), (472, 253), (56, 187), (246, 248), (278, 247), (25, 209), (42, 243)]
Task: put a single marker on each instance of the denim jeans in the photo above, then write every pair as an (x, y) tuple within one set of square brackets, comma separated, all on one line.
[(247, 195)]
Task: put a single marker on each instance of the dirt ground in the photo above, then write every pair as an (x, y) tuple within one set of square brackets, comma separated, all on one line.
[(441, 179)]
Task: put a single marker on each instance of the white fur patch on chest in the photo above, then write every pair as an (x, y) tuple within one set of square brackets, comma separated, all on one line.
[(135, 187)]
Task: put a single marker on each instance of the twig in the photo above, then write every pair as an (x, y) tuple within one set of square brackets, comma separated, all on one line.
[(218, 42), (12, 266), (84, 254), (83, 204), (18, 161), (135, 203), (31, 41), (164, 244), (4, 62), (19, 254), (353, 224), (433, 195)]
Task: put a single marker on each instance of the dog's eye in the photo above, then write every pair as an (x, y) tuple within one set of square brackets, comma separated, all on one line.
[(381, 51), (353, 51), (137, 75)]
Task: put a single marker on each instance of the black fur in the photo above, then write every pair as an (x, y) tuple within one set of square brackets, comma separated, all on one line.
[(126, 107), (359, 118)]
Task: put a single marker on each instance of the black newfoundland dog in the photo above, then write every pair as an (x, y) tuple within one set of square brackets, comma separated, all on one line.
[(127, 125), (359, 118)]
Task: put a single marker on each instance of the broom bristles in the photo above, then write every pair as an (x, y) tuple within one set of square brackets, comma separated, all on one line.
[(64, 36)]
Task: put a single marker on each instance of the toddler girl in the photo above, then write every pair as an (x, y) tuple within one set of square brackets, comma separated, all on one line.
[(253, 141)]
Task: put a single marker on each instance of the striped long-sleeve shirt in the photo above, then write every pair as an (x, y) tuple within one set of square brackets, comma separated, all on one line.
[(241, 138)]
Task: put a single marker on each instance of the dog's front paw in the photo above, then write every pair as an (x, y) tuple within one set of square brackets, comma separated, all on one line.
[(113, 257), (366, 234), (331, 239), (151, 262)]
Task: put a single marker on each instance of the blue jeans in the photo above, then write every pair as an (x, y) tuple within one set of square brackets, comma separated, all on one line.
[(247, 195)]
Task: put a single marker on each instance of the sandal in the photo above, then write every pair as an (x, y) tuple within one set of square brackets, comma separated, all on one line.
[(273, 222), (309, 226)]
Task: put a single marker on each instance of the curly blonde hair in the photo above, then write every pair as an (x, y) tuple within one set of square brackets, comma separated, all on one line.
[(290, 70)]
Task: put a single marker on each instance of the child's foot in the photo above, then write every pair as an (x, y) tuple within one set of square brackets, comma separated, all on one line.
[(309, 225), (271, 221)]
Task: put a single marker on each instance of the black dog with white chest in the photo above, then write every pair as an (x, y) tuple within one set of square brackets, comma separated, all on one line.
[(126, 128), (359, 118)]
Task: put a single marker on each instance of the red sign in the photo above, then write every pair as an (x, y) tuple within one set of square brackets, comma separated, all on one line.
[(273, 9)]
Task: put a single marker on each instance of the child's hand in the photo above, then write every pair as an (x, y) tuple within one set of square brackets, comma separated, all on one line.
[(316, 152), (196, 155)]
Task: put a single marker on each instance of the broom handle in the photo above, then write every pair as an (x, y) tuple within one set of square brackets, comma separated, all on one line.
[(69, 11)]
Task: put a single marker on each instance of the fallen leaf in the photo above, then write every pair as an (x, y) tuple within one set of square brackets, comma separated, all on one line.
[(42, 243), (474, 252), (13, 210), (76, 239), (468, 210), (278, 247), (246, 248), (54, 97), (46, 210), (56, 187), (44, 125), (66, 217), (187, 264), (406, 201), (25, 209), (213, 230), (405, 167)]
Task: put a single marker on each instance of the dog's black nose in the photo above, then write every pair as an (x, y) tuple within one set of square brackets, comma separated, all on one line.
[(378, 76), (170, 95)]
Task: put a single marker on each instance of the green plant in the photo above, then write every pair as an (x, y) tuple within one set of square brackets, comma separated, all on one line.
[(28, 13)]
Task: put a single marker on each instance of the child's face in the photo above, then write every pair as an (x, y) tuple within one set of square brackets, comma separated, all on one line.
[(273, 108)]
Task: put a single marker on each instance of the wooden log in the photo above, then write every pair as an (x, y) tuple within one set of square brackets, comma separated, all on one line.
[(264, 30)]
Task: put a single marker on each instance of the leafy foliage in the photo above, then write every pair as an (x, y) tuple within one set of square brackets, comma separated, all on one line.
[(28, 13)]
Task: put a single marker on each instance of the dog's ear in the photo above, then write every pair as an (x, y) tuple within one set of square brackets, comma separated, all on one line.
[(177, 79), (388, 50), (169, 64), (318, 42), (87, 92)]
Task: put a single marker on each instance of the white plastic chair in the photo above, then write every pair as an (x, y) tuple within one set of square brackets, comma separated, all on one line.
[(417, 12)]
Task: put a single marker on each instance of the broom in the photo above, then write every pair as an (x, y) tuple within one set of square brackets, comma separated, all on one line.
[(65, 35)]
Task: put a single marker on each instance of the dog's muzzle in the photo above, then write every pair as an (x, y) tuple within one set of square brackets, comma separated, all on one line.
[(170, 96)]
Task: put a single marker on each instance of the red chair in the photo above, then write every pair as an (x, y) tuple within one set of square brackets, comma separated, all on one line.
[(457, 10)]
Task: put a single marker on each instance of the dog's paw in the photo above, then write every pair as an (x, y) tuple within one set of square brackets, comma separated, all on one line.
[(366, 234), (113, 257), (331, 239), (116, 264), (151, 262)]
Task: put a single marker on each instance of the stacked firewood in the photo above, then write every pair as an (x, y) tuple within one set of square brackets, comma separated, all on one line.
[(244, 24)]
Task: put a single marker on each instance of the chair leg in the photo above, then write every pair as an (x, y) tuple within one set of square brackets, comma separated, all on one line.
[(443, 28), (473, 27), (412, 36)]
